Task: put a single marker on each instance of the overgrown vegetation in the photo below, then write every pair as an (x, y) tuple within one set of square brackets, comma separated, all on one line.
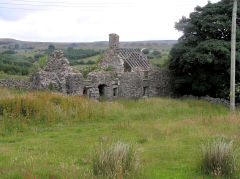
[(14, 64), (90, 68), (42, 61), (219, 158), (201, 58)]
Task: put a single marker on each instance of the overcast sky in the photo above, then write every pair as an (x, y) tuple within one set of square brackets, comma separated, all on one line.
[(93, 20)]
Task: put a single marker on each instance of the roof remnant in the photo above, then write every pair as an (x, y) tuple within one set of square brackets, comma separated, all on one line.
[(134, 58)]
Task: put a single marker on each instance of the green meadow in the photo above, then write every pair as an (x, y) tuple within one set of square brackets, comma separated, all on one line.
[(51, 135)]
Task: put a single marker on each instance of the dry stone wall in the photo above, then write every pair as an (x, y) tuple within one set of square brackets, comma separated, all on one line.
[(100, 83), (112, 60), (130, 85), (74, 83), (16, 83), (160, 82), (55, 74)]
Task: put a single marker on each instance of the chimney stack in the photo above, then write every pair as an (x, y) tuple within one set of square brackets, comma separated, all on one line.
[(113, 41)]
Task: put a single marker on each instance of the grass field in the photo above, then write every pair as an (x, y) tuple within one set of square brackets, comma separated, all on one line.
[(50, 135)]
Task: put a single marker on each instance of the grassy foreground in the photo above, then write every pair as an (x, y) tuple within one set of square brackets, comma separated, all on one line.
[(50, 135)]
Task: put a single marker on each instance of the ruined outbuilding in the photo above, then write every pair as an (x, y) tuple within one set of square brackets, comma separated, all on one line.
[(131, 75)]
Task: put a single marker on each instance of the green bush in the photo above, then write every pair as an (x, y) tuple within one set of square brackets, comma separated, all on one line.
[(88, 69), (116, 160), (108, 69), (219, 158), (51, 47), (100, 57), (42, 61), (156, 53), (145, 51), (9, 52)]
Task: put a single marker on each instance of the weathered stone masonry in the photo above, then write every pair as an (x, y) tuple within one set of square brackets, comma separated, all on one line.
[(16, 83), (132, 75)]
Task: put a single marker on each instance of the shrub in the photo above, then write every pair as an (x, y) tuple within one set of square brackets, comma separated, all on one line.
[(9, 52), (90, 62), (50, 86), (157, 53), (89, 69), (219, 158), (42, 61), (108, 69), (51, 47), (145, 51), (100, 57), (117, 160)]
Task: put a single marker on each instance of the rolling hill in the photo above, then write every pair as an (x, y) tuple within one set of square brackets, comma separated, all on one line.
[(163, 45)]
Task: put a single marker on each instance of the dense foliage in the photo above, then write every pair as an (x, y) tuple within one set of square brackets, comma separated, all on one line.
[(14, 65), (200, 60), (75, 54)]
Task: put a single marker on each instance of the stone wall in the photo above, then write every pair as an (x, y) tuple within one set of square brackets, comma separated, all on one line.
[(55, 73), (209, 99), (112, 60), (100, 83), (16, 83), (74, 83), (130, 85), (160, 82)]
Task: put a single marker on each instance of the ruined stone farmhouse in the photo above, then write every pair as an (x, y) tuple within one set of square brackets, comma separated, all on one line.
[(131, 75)]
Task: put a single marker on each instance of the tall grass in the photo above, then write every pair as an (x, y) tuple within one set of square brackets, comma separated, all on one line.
[(21, 110), (115, 161), (168, 133), (219, 158), (44, 108)]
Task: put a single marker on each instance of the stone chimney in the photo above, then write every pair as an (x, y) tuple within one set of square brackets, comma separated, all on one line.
[(113, 41)]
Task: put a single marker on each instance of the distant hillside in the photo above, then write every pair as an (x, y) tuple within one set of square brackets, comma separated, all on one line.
[(163, 45)]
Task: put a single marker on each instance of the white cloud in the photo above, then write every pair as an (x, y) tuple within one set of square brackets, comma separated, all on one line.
[(94, 20)]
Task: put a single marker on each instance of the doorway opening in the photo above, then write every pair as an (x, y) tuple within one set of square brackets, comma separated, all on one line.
[(85, 91), (102, 90)]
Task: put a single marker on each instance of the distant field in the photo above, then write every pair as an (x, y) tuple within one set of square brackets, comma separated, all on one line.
[(86, 60), (168, 133)]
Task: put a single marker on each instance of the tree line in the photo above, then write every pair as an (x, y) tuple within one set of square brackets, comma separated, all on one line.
[(200, 61)]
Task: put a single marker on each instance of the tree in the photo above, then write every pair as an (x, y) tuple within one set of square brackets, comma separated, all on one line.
[(51, 47), (200, 61), (16, 46), (145, 51), (156, 52)]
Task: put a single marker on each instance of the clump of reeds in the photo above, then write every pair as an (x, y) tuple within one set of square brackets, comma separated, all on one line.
[(115, 160), (219, 158)]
